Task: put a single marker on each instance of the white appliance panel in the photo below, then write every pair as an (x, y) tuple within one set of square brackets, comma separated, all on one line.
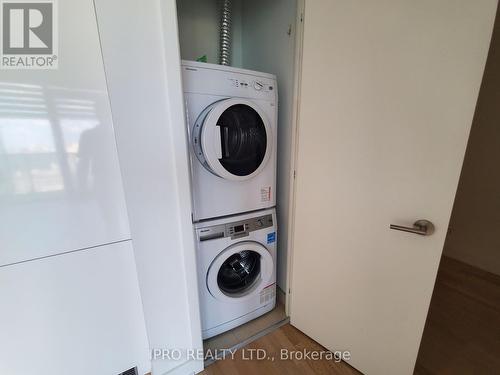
[(78, 313), (60, 182)]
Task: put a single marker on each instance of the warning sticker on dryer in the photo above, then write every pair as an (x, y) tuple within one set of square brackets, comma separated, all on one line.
[(265, 194), (268, 294)]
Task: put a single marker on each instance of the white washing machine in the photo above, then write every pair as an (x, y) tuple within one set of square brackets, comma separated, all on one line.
[(236, 270), (231, 119)]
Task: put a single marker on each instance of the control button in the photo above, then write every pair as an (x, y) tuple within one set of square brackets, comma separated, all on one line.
[(258, 85), (260, 223)]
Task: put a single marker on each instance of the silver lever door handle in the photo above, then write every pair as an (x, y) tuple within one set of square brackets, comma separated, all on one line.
[(421, 227)]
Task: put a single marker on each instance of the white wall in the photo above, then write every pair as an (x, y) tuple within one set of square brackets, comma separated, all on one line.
[(268, 47), (141, 56), (199, 30)]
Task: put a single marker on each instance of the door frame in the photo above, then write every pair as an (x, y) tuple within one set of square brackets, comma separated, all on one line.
[(299, 39)]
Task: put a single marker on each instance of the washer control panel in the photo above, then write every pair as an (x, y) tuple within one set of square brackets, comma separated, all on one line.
[(236, 229)]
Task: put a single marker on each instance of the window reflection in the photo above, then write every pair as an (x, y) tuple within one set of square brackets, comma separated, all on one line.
[(41, 132)]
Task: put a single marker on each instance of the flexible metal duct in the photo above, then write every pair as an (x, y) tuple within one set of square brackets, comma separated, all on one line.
[(225, 33)]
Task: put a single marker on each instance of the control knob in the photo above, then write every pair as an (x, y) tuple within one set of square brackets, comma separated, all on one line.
[(258, 85)]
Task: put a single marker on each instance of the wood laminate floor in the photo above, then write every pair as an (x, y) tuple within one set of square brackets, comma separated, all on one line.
[(461, 336), (462, 332), (285, 337)]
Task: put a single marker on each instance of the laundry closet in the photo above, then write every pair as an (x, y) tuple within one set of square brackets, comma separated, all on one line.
[(217, 40), (373, 119)]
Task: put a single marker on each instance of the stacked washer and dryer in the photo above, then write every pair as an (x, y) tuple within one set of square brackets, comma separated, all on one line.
[(232, 127)]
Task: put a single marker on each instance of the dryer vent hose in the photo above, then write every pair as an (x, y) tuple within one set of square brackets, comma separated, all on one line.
[(225, 33)]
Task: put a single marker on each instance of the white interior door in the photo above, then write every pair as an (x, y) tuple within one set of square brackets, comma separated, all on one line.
[(388, 90)]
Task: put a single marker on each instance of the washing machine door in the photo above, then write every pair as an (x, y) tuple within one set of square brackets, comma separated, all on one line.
[(232, 138), (240, 272)]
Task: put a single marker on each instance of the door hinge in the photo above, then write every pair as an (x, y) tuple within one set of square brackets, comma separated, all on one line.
[(294, 174), (301, 17)]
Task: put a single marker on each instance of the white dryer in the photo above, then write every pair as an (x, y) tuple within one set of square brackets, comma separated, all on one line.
[(231, 119), (236, 270)]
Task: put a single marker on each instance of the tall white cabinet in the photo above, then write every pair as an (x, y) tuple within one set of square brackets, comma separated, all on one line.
[(68, 281)]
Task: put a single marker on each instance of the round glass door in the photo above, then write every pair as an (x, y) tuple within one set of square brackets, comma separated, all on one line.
[(243, 139), (239, 272), (232, 139)]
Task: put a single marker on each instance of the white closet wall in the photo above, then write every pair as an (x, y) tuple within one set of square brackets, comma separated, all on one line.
[(199, 22), (268, 39)]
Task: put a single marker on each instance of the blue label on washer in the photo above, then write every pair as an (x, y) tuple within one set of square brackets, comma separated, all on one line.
[(271, 237)]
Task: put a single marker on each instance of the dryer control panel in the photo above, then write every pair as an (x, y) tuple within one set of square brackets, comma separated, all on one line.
[(252, 84), (236, 229), (212, 79)]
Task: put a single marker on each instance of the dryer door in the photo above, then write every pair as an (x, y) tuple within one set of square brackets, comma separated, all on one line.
[(232, 138), (240, 272)]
